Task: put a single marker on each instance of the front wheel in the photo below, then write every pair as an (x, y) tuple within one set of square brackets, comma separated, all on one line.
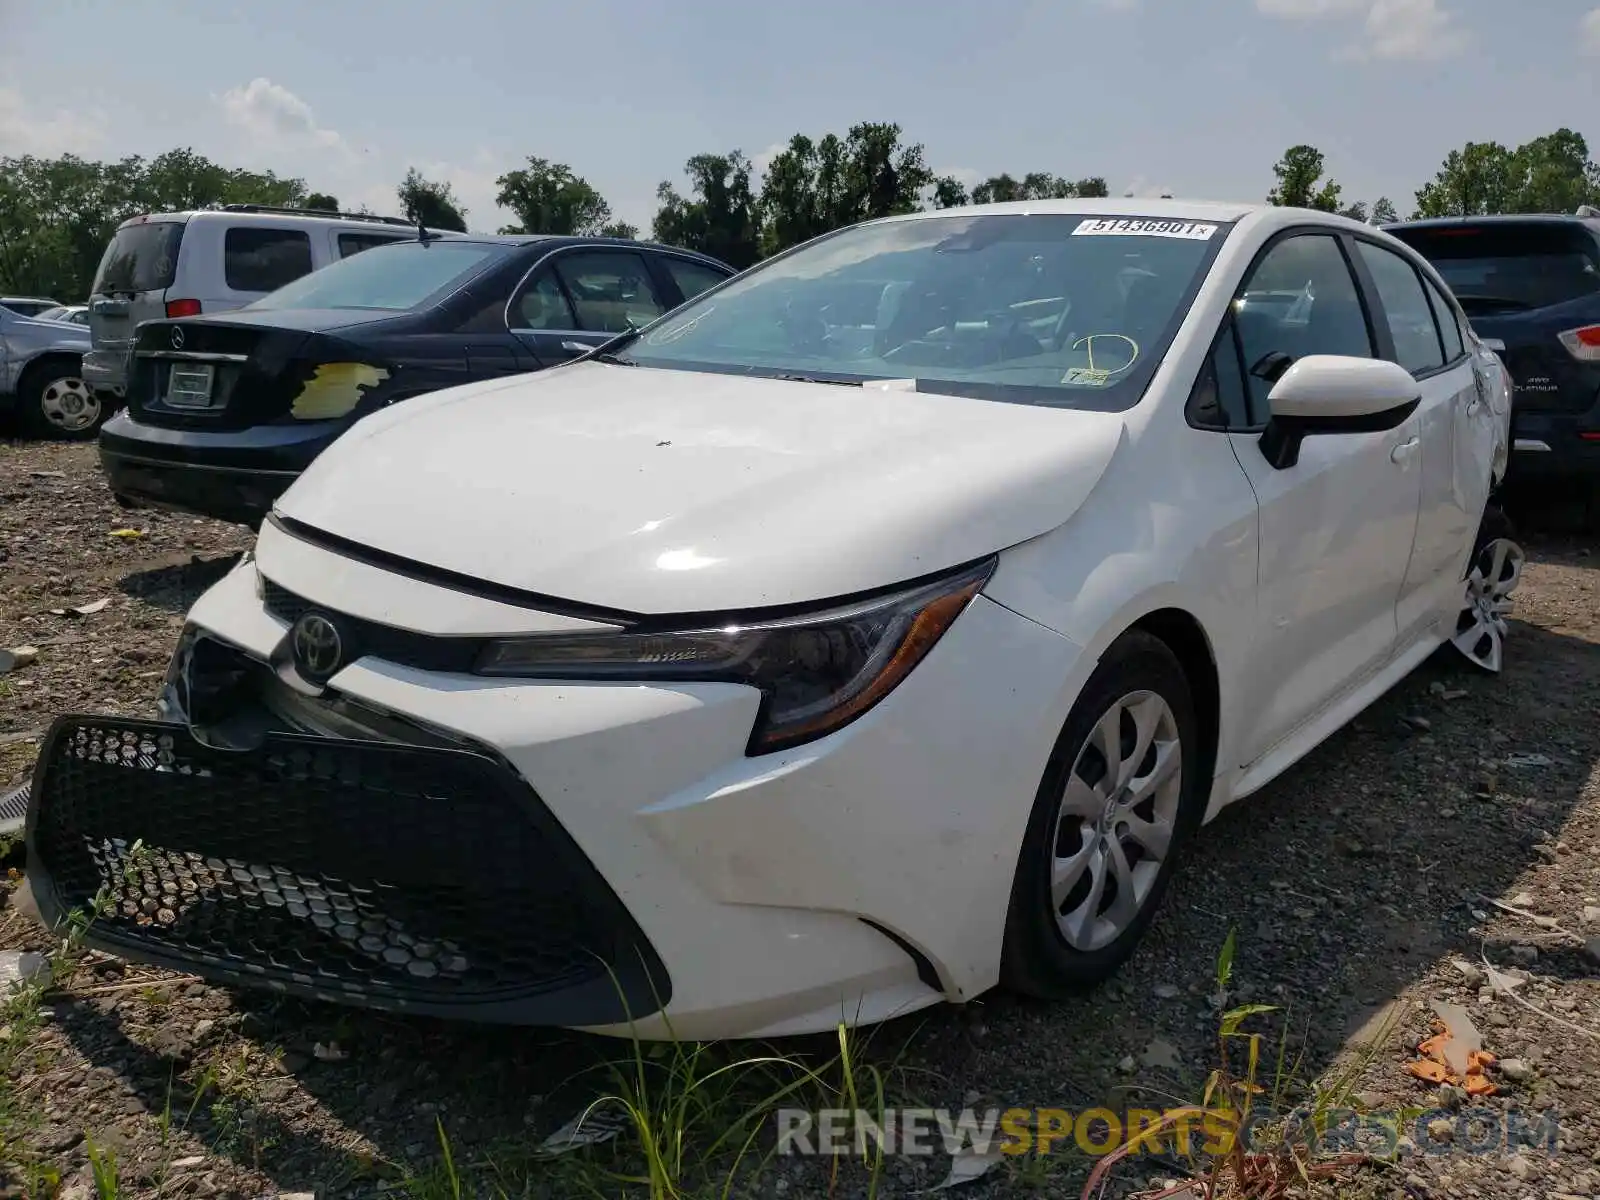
[(56, 403), (1120, 796), (1492, 575)]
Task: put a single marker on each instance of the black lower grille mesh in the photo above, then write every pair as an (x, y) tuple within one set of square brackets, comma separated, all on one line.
[(388, 872)]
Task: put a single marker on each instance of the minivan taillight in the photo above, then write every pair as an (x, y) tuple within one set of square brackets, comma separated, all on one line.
[(1583, 344), (183, 308)]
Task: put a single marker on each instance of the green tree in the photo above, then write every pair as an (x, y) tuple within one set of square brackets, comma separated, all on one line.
[(429, 203), (1554, 174), (1299, 171), (548, 198), (813, 187), (949, 192), (719, 217), (323, 201), (1037, 185), (619, 229), (58, 214), (1383, 211), (1476, 179)]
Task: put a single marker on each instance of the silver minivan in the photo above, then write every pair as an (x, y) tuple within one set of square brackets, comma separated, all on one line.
[(184, 264)]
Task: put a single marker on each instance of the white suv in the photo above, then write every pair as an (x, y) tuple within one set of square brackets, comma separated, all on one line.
[(186, 263)]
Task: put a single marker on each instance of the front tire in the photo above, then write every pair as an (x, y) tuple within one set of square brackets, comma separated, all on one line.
[(1120, 796), (55, 402)]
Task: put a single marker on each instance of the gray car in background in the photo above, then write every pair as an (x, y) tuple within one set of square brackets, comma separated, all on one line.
[(41, 377)]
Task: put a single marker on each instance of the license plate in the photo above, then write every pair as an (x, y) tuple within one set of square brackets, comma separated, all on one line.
[(190, 387)]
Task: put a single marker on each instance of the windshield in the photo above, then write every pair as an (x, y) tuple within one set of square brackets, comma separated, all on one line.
[(1067, 310), (396, 278), (1504, 267), (140, 258)]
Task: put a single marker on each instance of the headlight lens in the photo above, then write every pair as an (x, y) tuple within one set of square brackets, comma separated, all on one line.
[(817, 672)]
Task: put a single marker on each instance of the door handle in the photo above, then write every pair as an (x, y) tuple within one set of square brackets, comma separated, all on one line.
[(1404, 450)]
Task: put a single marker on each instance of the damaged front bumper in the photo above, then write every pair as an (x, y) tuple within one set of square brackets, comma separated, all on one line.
[(427, 879)]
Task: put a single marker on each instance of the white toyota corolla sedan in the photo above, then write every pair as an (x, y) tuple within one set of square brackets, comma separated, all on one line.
[(875, 629)]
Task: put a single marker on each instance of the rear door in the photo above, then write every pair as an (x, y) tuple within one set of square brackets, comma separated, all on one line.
[(581, 297), (130, 285), (256, 261), (1453, 420)]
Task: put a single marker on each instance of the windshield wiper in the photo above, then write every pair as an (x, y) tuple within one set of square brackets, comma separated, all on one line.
[(616, 360), (817, 379)]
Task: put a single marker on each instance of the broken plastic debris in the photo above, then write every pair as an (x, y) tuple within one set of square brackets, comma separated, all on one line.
[(1162, 1055), (88, 610), (127, 533), (967, 1167), (1530, 760), (18, 968), (329, 1052), (1455, 1053), (591, 1127)]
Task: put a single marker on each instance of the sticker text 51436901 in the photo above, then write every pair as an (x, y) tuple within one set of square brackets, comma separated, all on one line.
[(1194, 231)]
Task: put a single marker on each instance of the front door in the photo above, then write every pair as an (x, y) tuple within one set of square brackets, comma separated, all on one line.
[(1336, 528), (581, 298)]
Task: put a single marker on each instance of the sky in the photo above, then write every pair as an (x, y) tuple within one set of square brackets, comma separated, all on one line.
[(1193, 97)]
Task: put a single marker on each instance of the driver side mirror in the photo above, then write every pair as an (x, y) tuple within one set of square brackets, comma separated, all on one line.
[(1333, 394)]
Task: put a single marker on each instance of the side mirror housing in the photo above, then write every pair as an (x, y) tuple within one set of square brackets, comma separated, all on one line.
[(1333, 394)]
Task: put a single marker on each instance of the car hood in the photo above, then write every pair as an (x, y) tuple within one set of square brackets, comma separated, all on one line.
[(658, 491)]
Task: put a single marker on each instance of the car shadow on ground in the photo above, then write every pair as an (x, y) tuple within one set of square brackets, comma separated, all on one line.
[(1344, 881), (175, 585)]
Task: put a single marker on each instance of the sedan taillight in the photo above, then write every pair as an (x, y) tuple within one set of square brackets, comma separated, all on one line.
[(183, 308), (1583, 344)]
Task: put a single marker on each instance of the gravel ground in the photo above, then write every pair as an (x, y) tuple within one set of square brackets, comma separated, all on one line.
[(1362, 887)]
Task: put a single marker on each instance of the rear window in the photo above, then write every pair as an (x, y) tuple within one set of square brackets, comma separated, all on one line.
[(140, 258), (263, 260), (1508, 267), (395, 278)]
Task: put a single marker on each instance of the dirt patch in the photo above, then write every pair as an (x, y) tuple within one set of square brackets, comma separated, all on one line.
[(1362, 887)]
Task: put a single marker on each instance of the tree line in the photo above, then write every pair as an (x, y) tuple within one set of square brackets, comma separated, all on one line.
[(57, 214)]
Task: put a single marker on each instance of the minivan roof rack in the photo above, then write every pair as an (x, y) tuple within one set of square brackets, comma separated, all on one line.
[(329, 213), (1588, 210)]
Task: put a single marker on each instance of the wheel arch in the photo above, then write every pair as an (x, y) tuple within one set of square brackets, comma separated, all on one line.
[(36, 365), (1183, 634)]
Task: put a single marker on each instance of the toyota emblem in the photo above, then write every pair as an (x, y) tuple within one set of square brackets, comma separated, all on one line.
[(177, 337), (317, 647)]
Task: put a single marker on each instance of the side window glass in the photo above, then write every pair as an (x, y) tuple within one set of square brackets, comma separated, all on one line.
[(692, 278), (1445, 317), (355, 243), (543, 305), (610, 290), (1410, 317), (1299, 299), (263, 260), (1218, 400)]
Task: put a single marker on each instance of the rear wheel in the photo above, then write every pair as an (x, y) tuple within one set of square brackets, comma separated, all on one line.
[(1119, 798), (1492, 575), (54, 402)]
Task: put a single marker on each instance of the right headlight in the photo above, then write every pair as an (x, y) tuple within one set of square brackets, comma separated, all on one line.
[(817, 671)]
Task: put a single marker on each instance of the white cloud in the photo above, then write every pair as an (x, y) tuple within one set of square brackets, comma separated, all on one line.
[(760, 162), (271, 112), (1589, 28), (31, 129), (1396, 30)]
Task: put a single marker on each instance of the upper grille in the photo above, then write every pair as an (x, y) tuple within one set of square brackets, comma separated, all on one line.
[(425, 651), (396, 875)]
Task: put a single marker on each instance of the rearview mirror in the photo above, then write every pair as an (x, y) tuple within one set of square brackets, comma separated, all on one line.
[(1333, 394)]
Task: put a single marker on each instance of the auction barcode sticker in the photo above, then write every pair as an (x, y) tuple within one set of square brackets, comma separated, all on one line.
[(1195, 231)]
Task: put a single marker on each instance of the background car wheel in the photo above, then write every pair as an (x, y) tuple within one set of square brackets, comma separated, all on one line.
[(56, 403), (1492, 575), (1120, 796)]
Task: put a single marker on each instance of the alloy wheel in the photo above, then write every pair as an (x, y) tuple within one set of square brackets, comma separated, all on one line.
[(1486, 599), (1116, 820), (68, 404)]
